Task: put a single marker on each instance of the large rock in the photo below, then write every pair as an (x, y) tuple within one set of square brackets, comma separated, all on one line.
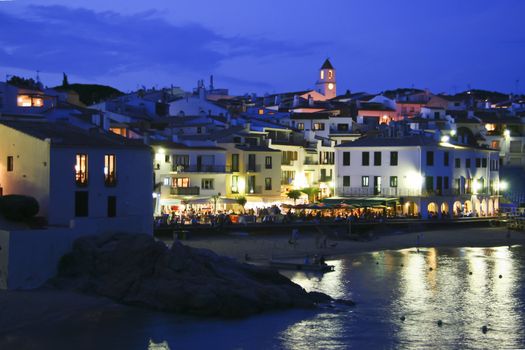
[(136, 269)]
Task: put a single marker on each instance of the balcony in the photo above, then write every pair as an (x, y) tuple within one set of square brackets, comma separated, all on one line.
[(325, 179), (203, 168), (287, 162), (310, 162), (392, 192), (185, 191), (253, 168), (254, 190)]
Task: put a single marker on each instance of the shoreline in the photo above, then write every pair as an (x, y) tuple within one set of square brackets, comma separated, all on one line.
[(25, 310), (264, 247)]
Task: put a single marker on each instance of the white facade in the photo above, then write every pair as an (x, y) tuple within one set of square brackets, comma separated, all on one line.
[(432, 176), (44, 167), (195, 105)]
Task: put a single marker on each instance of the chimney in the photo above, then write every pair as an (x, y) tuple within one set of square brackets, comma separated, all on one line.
[(296, 101), (310, 101), (211, 82)]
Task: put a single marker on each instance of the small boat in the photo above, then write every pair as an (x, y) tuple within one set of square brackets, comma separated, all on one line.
[(282, 265)]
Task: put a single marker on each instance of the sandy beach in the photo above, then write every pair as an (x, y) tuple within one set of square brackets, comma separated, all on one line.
[(263, 247), (22, 310)]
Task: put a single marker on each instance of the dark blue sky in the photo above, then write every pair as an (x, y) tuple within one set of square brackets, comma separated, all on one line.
[(268, 46)]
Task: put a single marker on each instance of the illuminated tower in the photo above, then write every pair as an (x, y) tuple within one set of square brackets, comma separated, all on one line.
[(326, 83)]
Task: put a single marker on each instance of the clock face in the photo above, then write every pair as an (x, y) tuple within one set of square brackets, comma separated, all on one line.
[(330, 86)]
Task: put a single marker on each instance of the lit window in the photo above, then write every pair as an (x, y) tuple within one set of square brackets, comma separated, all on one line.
[(318, 126), (261, 111), (364, 181), (300, 126), (23, 101), (110, 170), (181, 182), (37, 102), (235, 184), (29, 101), (166, 181), (490, 127), (81, 169), (322, 74), (330, 74)]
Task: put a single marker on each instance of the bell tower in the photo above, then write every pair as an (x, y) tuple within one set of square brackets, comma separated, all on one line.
[(326, 82)]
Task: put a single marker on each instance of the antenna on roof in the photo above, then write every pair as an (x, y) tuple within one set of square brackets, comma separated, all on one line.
[(37, 76)]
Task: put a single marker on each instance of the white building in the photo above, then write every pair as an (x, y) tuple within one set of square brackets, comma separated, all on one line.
[(77, 175), (86, 182), (424, 175)]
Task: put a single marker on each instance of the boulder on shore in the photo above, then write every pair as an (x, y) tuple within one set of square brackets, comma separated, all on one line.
[(135, 269)]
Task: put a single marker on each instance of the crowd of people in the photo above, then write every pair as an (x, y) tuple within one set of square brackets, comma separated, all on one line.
[(270, 214)]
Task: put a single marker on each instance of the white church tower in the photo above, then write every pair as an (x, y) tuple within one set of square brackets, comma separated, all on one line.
[(326, 83)]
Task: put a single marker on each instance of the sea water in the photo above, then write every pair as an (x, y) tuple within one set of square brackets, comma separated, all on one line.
[(401, 296)]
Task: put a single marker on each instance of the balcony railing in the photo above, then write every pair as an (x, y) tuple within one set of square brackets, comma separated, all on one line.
[(253, 189), (203, 168), (381, 192), (253, 168), (310, 162), (325, 179), (185, 191), (287, 162), (393, 192)]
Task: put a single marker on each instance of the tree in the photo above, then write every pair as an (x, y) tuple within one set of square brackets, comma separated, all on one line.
[(65, 82), (310, 192), (294, 194), (242, 202), (24, 83)]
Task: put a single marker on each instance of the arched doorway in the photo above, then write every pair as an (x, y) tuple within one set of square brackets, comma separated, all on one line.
[(458, 208), (444, 209), (477, 206), (432, 210), (410, 209), (484, 207), (491, 207), (496, 206), (467, 208)]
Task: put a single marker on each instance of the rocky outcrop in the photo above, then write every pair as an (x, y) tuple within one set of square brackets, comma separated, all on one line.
[(136, 269)]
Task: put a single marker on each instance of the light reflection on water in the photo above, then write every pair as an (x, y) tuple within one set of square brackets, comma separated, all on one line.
[(423, 287), (386, 286)]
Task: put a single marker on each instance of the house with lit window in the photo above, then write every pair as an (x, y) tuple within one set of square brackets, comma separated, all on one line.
[(255, 172), (79, 177), (24, 101), (419, 175), (188, 175)]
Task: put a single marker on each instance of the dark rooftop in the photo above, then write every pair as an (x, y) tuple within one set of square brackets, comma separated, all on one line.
[(327, 65), (62, 134)]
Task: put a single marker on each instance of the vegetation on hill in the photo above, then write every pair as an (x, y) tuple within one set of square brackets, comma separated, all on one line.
[(91, 93)]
